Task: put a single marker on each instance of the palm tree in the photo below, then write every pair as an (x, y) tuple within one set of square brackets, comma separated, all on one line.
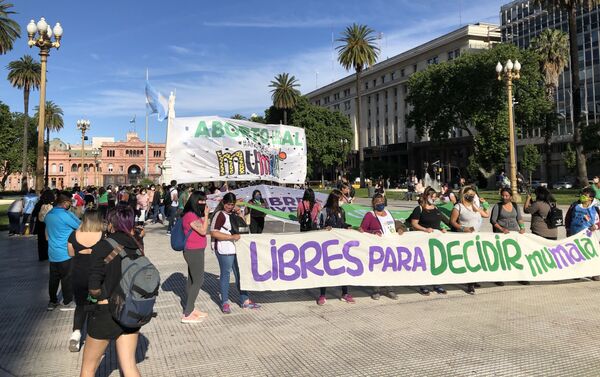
[(570, 7), (285, 95), (356, 52), (9, 29), (552, 46), (25, 74), (53, 122)]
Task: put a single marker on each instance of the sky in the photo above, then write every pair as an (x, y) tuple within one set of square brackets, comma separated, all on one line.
[(219, 57)]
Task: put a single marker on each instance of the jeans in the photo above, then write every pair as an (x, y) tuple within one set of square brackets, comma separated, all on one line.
[(226, 264), (14, 223), (172, 215), (156, 209), (60, 272)]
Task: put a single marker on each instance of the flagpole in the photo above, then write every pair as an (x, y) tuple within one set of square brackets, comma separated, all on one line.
[(146, 151)]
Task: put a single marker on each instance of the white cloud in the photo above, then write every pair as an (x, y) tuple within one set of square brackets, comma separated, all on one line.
[(180, 50)]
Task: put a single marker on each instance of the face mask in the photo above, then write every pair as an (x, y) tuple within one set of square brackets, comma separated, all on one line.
[(379, 207), (257, 197), (596, 180), (583, 199), (430, 201), (202, 207), (469, 198)]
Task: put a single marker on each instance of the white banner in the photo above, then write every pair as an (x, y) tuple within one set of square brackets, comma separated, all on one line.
[(278, 198), (207, 149), (278, 262)]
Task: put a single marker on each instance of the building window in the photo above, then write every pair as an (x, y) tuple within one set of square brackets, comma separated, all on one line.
[(393, 75), (61, 168), (53, 169), (110, 168), (121, 168), (433, 60), (346, 92), (453, 54), (74, 168), (366, 85), (157, 153), (110, 153), (374, 83), (326, 100), (382, 79), (336, 107), (377, 97), (347, 105), (415, 68), (336, 96), (402, 72), (318, 102)]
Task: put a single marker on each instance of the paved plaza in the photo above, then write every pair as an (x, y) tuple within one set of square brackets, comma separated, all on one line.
[(537, 330)]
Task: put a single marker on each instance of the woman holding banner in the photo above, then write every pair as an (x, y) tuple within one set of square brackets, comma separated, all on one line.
[(257, 218), (426, 217), (224, 233), (381, 223), (333, 216), (466, 217), (539, 210), (308, 211)]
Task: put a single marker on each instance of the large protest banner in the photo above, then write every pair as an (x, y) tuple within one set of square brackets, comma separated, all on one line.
[(219, 149), (345, 257)]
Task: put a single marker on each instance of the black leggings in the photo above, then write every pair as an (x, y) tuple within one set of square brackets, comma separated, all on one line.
[(344, 290), (195, 261), (80, 278)]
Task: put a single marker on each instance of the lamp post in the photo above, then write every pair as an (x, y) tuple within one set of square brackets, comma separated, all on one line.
[(95, 153), (511, 72), (344, 143), (40, 35), (82, 125)]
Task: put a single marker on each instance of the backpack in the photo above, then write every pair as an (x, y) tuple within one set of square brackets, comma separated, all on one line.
[(178, 236), (168, 199), (555, 217), (305, 220), (132, 302)]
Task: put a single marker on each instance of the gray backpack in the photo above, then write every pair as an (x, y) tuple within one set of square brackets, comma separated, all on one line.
[(132, 302)]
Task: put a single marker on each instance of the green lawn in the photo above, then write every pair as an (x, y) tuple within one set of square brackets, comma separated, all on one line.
[(4, 217)]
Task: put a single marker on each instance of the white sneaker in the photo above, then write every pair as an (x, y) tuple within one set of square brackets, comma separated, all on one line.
[(74, 341), (68, 307)]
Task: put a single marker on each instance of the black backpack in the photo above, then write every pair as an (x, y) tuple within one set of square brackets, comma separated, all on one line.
[(167, 198), (555, 217), (305, 220)]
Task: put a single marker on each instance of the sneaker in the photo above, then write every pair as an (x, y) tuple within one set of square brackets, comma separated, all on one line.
[(250, 305), (52, 306), (440, 290), (200, 314), (226, 309), (67, 307), (424, 291), (348, 299), (74, 341), (392, 295), (595, 278), (376, 296), (321, 300), (192, 318), (168, 233), (471, 289)]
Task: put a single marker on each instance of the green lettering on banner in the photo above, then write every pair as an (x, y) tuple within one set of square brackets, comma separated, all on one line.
[(500, 254), (454, 257), (488, 246), (231, 130), (287, 138), (276, 138), (245, 131), (589, 246), (548, 259), (466, 257), (480, 253), (435, 244), (264, 135), (217, 129), (512, 261), (297, 139), (201, 130), (536, 263)]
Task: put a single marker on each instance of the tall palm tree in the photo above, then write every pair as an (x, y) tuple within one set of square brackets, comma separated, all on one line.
[(53, 122), (285, 95), (357, 51), (9, 29), (552, 46), (570, 7), (25, 74)]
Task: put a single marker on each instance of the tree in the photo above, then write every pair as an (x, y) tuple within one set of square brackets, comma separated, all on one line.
[(465, 94), (324, 129), (570, 7), (531, 159), (238, 117), (285, 95), (357, 51), (552, 46), (10, 148), (9, 28), (53, 122), (25, 74), (569, 158)]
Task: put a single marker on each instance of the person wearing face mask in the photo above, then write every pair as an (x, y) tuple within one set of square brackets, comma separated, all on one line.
[(466, 217), (195, 223), (582, 214), (257, 218), (426, 217), (380, 222)]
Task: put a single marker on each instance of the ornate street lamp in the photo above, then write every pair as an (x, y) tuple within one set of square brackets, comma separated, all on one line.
[(40, 35), (511, 72), (96, 153), (82, 125)]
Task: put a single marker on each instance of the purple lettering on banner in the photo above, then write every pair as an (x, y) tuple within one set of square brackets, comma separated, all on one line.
[(274, 266), (419, 260), (254, 265), (390, 260), (275, 202), (288, 201), (403, 262), (560, 253), (372, 260), (310, 265), (291, 264), (346, 251), (327, 259), (575, 253)]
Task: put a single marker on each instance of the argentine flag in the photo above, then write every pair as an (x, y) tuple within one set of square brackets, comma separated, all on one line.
[(156, 102)]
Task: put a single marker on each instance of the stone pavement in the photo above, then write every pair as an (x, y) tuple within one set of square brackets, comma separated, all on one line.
[(538, 330)]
